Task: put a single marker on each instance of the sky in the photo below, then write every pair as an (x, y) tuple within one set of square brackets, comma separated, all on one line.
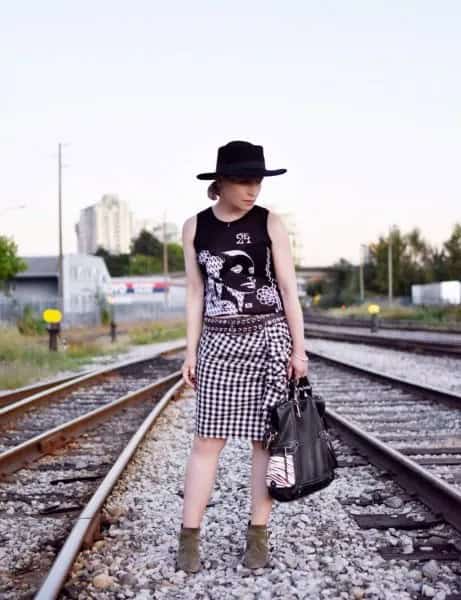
[(359, 100)]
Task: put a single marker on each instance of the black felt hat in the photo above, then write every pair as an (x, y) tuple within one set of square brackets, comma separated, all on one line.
[(241, 159)]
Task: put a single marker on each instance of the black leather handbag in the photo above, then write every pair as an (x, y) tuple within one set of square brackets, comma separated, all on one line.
[(302, 459)]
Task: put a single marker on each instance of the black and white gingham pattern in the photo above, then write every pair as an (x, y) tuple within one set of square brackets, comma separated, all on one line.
[(240, 374)]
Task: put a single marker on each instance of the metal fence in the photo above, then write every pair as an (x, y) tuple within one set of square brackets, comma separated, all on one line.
[(12, 309), (147, 311)]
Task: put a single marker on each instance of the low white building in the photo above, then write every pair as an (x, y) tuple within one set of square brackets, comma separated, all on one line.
[(85, 280), (436, 294)]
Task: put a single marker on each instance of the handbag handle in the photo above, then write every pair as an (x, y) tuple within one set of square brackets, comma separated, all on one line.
[(302, 383)]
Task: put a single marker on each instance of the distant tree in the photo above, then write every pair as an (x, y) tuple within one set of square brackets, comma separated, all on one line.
[(452, 248), (316, 286), (147, 244), (439, 266), (342, 285), (175, 257), (416, 265), (118, 265), (10, 263), (140, 264), (402, 272), (102, 252), (418, 249), (414, 260)]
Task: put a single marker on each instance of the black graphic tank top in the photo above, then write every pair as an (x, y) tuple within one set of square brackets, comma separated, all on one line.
[(235, 260)]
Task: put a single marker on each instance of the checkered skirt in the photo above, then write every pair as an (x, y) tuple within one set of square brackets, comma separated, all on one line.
[(241, 372)]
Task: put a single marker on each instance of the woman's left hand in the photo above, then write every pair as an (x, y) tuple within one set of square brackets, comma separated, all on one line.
[(297, 368)]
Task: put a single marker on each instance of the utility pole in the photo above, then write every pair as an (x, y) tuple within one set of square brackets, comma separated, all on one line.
[(165, 259), (362, 282), (389, 268), (61, 261)]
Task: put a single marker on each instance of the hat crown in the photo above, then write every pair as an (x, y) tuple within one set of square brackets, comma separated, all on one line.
[(239, 153), (241, 159)]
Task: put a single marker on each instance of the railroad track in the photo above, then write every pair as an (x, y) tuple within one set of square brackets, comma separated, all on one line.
[(421, 342), (7, 398), (317, 318), (379, 416), (54, 412), (77, 430), (401, 426), (412, 522)]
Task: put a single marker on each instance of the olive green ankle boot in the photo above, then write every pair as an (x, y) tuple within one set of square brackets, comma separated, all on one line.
[(257, 551), (188, 559)]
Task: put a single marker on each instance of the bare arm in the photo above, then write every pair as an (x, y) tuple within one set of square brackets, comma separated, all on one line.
[(194, 300), (286, 278)]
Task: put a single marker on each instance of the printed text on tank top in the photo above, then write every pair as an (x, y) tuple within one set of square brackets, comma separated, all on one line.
[(235, 260)]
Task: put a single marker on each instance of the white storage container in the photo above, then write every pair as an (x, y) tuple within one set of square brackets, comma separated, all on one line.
[(442, 292)]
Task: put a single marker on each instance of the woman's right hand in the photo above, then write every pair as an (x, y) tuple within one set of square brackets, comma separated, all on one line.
[(188, 369)]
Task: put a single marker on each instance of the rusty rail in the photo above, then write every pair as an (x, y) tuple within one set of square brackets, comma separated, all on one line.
[(46, 396), (440, 497), (44, 443), (87, 524)]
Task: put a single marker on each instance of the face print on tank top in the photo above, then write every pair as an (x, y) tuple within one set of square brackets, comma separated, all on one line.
[(231, 284)]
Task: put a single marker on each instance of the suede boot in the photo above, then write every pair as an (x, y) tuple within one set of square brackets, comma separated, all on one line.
[(257, 551), (188, 558)]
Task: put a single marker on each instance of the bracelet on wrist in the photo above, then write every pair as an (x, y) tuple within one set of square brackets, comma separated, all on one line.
[(303, 358)]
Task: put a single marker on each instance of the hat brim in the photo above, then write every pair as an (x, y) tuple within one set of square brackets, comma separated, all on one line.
[(243, 173)]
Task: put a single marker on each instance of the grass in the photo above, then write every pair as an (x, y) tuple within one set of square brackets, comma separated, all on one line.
[(446, 316), (158, 332), (25, 359)]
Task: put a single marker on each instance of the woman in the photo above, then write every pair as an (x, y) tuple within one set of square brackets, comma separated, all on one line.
[(245, 336)]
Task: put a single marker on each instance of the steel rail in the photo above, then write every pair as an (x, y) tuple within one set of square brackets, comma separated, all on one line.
[(15, 458), (432, 491), (88, 521), (364, 322), (412, 345), (29, 390), (447, 397), (44, 397)]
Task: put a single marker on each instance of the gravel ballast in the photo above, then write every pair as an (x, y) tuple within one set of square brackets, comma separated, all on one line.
[(436, 371), (317, 549)]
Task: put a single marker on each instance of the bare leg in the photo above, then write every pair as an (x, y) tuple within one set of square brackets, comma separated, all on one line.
[(261, 502), (200, 476)]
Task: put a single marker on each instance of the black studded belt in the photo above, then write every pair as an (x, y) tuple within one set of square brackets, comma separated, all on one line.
[(245, 324)]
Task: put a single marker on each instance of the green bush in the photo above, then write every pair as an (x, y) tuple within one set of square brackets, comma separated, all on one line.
[(105, 315), (29, 323)]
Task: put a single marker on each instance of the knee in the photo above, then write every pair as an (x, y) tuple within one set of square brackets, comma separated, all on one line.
[(208, 445)]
